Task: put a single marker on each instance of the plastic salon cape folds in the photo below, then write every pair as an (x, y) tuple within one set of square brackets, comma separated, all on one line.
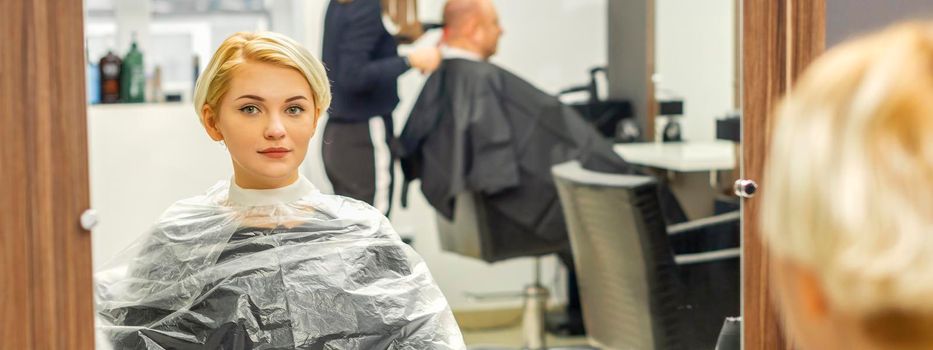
[(312, 272)]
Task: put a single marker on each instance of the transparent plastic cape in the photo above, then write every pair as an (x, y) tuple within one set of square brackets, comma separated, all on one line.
[(323, 272)]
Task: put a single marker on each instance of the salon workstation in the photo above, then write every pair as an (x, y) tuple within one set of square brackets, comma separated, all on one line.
[(410, 174)]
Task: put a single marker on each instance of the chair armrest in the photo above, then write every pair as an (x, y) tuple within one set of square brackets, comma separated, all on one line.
[(706, 235), (703, 223), (716, 255)]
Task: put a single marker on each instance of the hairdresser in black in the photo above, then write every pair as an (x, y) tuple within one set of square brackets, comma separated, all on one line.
[(363, 64)]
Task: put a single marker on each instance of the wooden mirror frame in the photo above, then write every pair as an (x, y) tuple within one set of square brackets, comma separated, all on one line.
[(779, 39)]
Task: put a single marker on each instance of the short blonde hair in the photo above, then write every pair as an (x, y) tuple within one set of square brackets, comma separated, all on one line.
[(268, 47), (849, 182)]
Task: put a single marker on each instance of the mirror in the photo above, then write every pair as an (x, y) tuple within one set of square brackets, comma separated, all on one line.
[(145, 156), (686, 96), (697, 85)]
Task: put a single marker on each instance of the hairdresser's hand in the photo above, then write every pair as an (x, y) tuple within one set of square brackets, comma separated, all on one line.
[(425, 59)]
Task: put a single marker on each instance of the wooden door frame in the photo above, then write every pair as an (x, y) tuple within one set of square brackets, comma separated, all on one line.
[(780, 38), (45, 256)]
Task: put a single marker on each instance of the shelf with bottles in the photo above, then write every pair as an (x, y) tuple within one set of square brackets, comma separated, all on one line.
[(115, 79)]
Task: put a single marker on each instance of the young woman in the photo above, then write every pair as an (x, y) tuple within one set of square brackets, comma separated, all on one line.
[(848, 207), (266, 261)]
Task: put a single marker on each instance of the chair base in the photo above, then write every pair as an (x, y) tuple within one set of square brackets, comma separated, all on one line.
[(533, 328)]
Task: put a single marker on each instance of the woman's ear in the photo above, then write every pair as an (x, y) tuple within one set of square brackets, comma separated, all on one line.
[(209, 120), (811, 294), (801, 294), (805, 307)]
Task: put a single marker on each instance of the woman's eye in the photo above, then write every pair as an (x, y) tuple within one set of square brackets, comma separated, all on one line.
[(294, 110), (249, 109)]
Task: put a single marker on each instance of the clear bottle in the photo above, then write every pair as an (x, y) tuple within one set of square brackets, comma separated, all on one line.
[(154, 86)]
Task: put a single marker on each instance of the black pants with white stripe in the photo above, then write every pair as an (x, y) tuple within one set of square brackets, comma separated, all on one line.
[(358, 161)]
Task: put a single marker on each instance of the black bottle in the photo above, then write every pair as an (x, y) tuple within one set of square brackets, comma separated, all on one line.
[(110, 67)]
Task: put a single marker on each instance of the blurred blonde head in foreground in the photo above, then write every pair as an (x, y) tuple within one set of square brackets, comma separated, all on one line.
[(848, 213)]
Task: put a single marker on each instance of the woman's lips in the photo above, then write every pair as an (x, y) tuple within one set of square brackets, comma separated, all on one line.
[(275, 153)]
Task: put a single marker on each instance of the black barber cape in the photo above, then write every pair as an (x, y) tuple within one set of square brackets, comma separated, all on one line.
[(479, 128)]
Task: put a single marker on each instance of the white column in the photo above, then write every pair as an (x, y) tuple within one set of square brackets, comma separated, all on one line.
[(132, 16)]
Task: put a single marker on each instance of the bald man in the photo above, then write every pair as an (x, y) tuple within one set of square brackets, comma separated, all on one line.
[(479, 128), (471, 30)]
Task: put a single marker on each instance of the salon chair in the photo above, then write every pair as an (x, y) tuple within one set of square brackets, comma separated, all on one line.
[(645, 285), (476, 232)]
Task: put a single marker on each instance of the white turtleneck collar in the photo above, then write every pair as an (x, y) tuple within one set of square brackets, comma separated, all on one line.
[(288, 194)]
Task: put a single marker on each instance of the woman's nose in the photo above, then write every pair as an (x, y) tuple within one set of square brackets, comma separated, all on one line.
[(275, 129)]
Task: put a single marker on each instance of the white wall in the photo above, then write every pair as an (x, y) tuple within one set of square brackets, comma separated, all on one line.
[(145, 157), (695, 59), (142, 159), (552, 43)]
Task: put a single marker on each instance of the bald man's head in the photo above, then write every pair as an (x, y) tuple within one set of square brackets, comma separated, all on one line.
[(457, 12), (472, 25)]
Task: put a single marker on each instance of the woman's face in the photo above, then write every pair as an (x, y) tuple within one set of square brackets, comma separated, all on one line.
[(266, 120)]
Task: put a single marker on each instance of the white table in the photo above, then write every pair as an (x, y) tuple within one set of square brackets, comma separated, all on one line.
[(690, 168), (680, 156)]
